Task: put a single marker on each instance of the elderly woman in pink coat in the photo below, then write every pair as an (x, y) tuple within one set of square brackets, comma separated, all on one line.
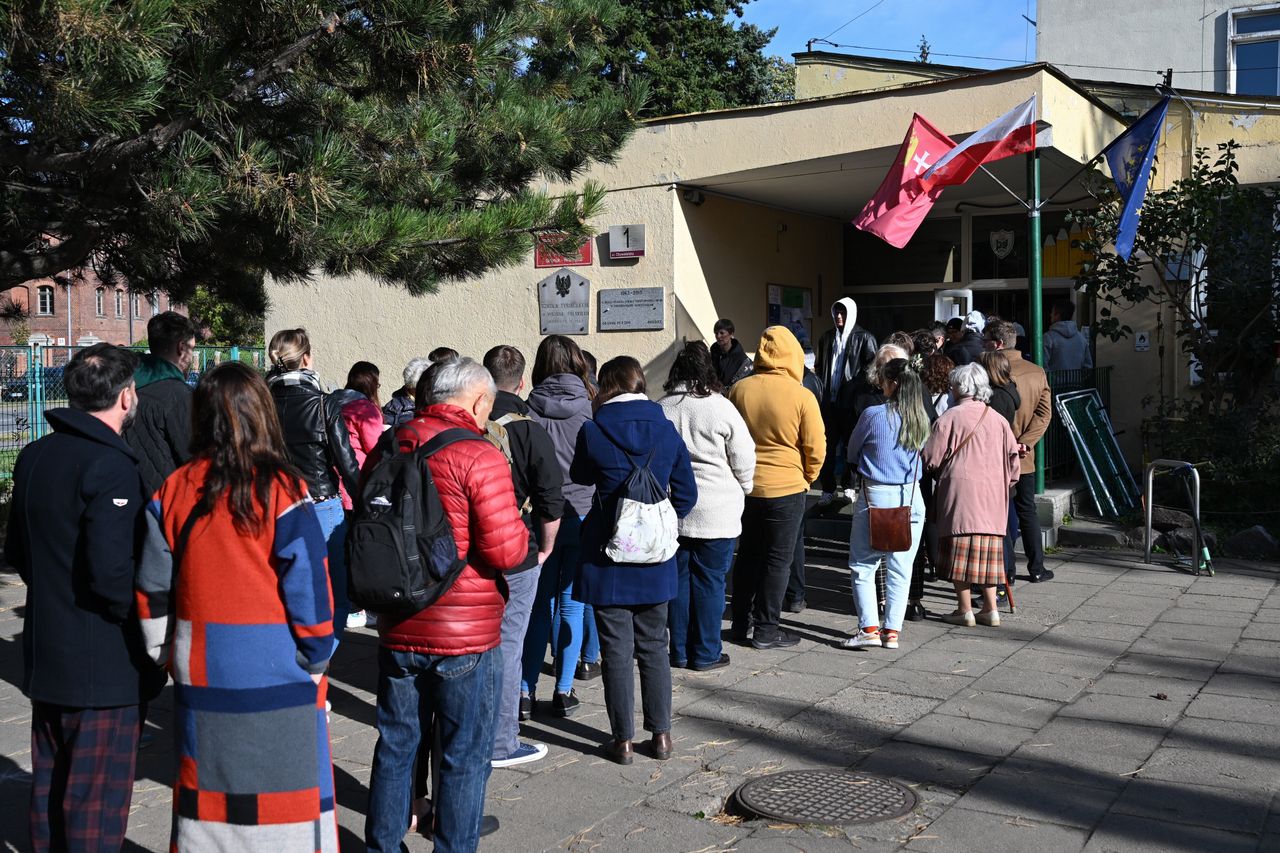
[(974, 459)]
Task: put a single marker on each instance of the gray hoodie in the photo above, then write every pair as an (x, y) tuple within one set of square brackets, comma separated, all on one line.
[(1065, 348), (561, 406)]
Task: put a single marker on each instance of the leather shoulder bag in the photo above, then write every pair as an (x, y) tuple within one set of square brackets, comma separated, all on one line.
[(891, 526)]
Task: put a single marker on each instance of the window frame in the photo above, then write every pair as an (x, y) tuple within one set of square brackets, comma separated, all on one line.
[(1235, 39), (100, 301), (119, 303), (43, 291)]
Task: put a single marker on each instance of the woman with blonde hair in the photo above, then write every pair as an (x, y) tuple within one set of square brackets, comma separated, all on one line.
[(319, 446), (974, 458), (885, 449)]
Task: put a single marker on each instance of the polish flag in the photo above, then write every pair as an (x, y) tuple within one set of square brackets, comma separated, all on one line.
[(1012, 133), (902, 202)]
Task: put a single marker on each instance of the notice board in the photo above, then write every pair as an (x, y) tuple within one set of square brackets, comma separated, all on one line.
[(791, 307)]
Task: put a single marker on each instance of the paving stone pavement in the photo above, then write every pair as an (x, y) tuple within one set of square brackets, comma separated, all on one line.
[(1122, 708)]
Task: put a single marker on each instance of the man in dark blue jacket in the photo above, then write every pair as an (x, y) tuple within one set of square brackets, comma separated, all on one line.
[(73, 535), (160, 435)]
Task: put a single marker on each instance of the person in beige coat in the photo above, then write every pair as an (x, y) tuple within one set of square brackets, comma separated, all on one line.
[(974, 459), (1035, 410), (724, 461)]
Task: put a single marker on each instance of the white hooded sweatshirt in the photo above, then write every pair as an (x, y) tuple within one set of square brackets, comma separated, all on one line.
[(836, 379)]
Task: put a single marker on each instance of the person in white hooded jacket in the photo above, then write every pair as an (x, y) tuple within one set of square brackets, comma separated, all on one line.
[(1065, 348), (840, 361)]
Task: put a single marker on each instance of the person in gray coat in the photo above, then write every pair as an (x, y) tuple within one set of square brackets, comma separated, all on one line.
[(560, 403), (1065, 348)]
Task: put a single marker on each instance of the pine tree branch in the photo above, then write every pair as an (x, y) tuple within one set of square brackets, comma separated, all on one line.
[(21, 265), (101, 158)]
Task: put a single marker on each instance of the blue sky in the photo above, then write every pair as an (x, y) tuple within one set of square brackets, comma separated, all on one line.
[(992, 28)]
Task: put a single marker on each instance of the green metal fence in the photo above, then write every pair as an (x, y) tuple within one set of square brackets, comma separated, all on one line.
[(31, 382), (1059, 458)]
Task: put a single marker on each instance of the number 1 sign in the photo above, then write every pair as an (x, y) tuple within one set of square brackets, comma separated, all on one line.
[(626, 241)]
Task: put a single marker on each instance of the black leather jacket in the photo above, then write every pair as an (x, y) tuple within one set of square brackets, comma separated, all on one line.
[(859, 352), (316, 437)]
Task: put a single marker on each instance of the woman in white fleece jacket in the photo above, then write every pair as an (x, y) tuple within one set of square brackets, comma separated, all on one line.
[(724, 462)]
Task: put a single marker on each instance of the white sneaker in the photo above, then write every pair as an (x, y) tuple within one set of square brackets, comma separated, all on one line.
[(862, 640), (356, 620), (955, 618), (826, 499), (524, 754), (990, 618)]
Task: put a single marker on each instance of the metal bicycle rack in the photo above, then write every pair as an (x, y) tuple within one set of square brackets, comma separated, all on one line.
[(1198, 559)]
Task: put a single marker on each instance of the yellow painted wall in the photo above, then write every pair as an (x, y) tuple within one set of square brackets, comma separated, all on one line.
[(728, 252), (356, 318), (823, 75)]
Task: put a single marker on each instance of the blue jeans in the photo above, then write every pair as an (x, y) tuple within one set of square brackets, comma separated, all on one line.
[(333, 521), (554, 605), (590, 636), (460, 692), (523, 586), (694, 617), (863, 561)]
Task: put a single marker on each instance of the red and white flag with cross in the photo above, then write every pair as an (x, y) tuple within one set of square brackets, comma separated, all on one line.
[(902, 202)]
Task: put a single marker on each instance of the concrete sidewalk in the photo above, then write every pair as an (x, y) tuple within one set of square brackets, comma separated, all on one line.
[(1122, 708)]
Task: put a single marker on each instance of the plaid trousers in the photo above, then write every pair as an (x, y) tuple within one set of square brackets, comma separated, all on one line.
[(82, 768)]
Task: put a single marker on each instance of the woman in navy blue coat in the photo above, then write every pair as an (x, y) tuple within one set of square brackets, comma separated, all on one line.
[(630, 600)]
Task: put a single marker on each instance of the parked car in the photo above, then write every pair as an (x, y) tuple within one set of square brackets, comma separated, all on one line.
[(19, 387)]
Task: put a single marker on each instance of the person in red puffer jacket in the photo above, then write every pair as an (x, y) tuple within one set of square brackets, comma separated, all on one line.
[(444, 662)]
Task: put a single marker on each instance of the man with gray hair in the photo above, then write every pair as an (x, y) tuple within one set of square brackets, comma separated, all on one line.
[(400, 408), (443, 663)]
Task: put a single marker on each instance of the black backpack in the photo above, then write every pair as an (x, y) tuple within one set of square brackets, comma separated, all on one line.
[(401, 554)]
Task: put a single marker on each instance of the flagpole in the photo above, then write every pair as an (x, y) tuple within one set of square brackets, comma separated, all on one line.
[(1035, 309)]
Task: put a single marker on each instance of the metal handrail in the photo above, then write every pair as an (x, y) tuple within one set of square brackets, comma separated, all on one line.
[(1174, 466)]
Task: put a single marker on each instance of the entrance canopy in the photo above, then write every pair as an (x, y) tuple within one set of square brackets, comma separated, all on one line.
[(827, 156)]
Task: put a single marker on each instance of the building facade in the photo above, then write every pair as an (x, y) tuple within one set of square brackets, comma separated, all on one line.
[(1211, 46), (79, 309), (746, 214)]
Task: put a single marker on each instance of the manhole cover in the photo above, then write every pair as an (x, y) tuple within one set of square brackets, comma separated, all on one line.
[(833, 797)]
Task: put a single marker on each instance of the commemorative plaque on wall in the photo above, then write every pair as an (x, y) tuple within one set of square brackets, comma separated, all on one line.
[(632, 309), (564, 303)]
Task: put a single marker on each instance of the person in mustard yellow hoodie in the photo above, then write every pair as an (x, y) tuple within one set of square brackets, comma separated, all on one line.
[(785, 422)]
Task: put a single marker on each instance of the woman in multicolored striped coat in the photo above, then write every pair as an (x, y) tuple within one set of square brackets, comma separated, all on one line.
[(234, 597)]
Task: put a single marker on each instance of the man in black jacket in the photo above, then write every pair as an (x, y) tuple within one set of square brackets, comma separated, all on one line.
[(537, 478), (160, 435), (73, 534), (841, 361), (964, 338), (728, 358)]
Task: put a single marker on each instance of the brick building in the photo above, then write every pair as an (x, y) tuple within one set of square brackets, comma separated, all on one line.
[(98, 311)]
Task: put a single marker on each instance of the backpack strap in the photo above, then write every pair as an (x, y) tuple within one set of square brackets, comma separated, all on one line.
[(446, 437)]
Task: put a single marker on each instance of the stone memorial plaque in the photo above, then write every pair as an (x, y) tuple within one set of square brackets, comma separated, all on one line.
[(564, 303), (632, 308)]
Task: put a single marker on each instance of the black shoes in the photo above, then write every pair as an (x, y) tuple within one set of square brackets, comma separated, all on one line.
[(1045, 575), (565, 704), (660, 747), (793, 606), (783, 640), (916, 612), (715, 664), (526, 706), (587, 671), (620, 752)]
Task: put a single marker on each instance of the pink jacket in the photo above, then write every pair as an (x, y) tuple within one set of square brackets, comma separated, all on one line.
[(972, 492), (364, 425)]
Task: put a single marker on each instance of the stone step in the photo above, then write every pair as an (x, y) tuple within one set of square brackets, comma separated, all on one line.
[(1088, 533)]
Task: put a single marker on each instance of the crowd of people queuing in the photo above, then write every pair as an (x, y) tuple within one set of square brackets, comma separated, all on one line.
[(198, 536)]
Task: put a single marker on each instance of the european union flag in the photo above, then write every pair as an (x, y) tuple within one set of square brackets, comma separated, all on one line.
[(1130, 157)]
